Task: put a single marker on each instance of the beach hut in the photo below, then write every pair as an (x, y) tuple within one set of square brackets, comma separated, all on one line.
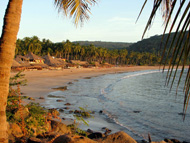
[(15, 64), (34, 59), (22, 60), (52, 61)]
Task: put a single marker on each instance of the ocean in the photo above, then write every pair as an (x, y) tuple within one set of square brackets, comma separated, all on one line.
[(138, 103)]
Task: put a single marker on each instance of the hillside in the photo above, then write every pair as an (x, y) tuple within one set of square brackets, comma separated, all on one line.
[(151, 45), (108, 45)]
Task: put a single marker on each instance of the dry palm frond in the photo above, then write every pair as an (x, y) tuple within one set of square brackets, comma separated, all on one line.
[(179, 48), (78, 9)]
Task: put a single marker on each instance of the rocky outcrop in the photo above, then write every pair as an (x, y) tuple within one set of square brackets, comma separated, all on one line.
[(72, 139), (119, 137), (59, 127)]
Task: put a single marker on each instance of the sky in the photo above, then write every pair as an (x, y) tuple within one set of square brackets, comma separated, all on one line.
[(111, 20)]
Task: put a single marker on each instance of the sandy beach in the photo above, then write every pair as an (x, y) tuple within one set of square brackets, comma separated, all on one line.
[(41, 82)]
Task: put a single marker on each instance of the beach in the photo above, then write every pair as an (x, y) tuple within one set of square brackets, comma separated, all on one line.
[(41, 82)]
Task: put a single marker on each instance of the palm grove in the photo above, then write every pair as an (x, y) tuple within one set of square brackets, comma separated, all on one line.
[(90, 53)]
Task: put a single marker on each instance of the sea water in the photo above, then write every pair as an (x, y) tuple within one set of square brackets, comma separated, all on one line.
[(138, 103)]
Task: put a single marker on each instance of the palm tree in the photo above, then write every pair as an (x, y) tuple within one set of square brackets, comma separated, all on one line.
[(79, 9), (180, 52)]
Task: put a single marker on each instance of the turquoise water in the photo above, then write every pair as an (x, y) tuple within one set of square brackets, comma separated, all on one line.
[(136, 102)]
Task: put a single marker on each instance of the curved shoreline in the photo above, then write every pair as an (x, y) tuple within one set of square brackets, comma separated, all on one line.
[(41, 82)]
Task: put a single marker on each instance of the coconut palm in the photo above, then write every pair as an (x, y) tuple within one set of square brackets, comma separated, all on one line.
[(180, 45), (79, 9)]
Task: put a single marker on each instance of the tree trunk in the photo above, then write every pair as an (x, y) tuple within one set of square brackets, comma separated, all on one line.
[(7, 51)]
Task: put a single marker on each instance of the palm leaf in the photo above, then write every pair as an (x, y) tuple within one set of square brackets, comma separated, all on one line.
[(179, 47), (78, 9)]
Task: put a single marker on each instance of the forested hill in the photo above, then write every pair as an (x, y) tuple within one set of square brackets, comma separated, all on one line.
[(108, 45), (151, 45)]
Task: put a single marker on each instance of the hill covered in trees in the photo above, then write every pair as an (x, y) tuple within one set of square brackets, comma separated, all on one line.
[(108, 45), (152, 44)]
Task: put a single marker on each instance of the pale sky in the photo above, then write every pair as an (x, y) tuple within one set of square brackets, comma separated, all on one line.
[(110, 20)]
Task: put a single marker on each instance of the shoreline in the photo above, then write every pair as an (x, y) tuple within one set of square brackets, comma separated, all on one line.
[(41, 82)]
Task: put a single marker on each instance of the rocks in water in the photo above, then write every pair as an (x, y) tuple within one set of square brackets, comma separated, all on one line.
[(61, 110), (119, 137), (66, 108), (54, 96), (59, 100), (69, 83), (41, 97), (30, 98), (95, 135), (87, 77), (67, 104), (63, 88), (100, 111), (137, 111), (106, 130), (90, 131), (71, 111)]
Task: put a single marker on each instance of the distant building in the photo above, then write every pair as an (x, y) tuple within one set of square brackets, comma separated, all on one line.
[(34, 59)]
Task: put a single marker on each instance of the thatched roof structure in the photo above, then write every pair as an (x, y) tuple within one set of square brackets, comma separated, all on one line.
[(21, 58), (51, 61), (15, 64), (32, 56), (78, 62)]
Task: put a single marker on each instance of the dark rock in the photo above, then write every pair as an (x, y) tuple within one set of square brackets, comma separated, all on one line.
[(182, 114), (63, 139), (71, 111), (137, 111), (95, 135), (100, 111), (67, 104), (61, 110), (106, 130), (59, 100), (70, 83), (185, 142), (55, 96), (66, 108), (41, 97), (63, 88), (87, 77), (77, 112), (168, 140), (34, 140), (30, 98), (175, 141), (90, 131)]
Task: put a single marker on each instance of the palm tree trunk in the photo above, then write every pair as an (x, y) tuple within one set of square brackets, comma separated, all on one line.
[(7, 51)]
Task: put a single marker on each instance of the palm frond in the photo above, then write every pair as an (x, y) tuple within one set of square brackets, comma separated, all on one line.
[(179, 44), (78, 9)]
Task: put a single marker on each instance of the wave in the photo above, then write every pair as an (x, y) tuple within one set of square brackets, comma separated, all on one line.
[(139, 74)]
